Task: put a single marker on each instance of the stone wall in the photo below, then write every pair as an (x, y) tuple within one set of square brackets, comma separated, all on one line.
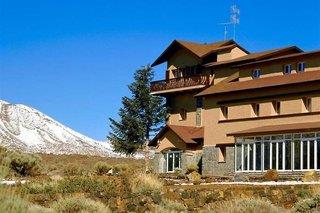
[(210, 164), (159, 163), (190, 158)]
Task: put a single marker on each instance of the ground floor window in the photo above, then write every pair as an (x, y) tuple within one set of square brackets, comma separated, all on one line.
[(173, 159), (288, 152)]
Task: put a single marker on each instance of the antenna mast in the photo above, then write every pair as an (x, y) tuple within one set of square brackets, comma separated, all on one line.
[(234, 20)]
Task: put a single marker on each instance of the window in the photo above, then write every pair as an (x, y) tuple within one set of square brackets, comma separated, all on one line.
[(183, 114), (301, 66), (222, 154), (256, 109), (287, 69), (290, 152), (256, 73), (307, 104), (224, 112), (276, 107)]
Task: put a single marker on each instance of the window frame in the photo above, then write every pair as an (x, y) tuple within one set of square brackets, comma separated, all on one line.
[(298, 67), (173, 161), (254, 72), (285, 69)]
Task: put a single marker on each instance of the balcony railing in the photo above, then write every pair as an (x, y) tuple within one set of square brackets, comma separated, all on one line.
[(176, 83)]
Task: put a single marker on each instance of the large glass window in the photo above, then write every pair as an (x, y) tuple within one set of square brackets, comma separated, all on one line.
[(288, 152), (258, 155), (266, 156), (280, 152), (297, 154), (280, 155), (311, 155)]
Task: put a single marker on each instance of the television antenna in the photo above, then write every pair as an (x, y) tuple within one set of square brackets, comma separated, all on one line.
[(234, 20)]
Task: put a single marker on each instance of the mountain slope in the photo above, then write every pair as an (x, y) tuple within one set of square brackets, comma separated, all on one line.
[(27, 129)]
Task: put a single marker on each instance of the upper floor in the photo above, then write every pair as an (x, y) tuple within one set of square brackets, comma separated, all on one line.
[(185, 64)]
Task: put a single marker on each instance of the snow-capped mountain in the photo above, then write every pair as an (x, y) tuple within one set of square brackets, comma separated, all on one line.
[(26, 129)]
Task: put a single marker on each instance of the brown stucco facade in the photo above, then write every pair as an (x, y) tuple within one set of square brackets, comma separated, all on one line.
[(222, 112)]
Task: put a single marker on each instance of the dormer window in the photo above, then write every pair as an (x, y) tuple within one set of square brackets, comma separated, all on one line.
[(287, 69), (256, 73), (301, 66)]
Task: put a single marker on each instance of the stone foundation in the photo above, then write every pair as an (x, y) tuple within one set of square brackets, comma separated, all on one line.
[(211, 165)]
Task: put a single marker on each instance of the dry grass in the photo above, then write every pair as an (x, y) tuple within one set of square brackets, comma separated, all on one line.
[(56, 163), (244, 206), (146, 184)]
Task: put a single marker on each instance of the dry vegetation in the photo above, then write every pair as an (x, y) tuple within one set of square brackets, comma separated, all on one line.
[(95, 184)]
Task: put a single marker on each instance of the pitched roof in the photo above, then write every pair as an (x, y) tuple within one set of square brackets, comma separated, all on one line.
[(281, 129), (197, 49), (255, 56), (186, 133), (261, 83)]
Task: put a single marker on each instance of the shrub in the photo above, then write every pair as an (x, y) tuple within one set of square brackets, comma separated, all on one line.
[(304, 193), (96, 187), (48, 188), (194, 177), (4, 171), (23, 164), (102, 168), (170, 206), (12, 203), (120, 168), (245, 205), (146, 184), (310, 176), (179, 173), (69, 205), (72, 169), (193, 167), (271, 175), (308, 205)]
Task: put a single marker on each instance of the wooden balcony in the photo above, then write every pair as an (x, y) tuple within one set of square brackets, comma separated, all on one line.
[(178, 84)]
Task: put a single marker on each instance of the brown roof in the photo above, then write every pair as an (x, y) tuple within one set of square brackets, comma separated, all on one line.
[(294, 55), (279, 129), (256, 56), (199, 50), (261, 83), (185, 133)]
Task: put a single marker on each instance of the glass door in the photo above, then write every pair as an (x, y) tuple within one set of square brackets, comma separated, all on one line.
[(173, 161), (170, 162)]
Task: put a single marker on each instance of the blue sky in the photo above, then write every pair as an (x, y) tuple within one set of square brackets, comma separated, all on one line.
[(74, 59)]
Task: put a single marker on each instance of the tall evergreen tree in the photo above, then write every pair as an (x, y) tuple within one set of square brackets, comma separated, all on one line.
[(140, 115)]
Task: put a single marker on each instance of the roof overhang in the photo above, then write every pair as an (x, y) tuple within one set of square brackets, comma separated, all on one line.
[(187, 134), (278, 129)]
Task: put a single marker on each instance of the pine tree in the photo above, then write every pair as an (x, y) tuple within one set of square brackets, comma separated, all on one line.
[(140, 116)]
